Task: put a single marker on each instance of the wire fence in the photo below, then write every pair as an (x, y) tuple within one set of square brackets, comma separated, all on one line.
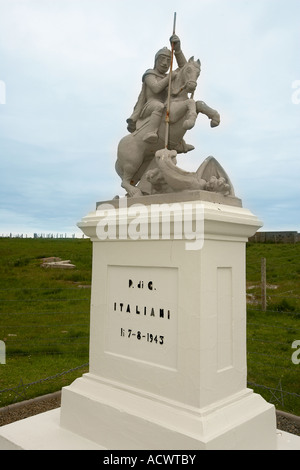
[(20, 391), (41, 323), (266, 294)]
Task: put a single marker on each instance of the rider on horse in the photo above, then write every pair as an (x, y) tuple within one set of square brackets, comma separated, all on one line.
[(152, 99)]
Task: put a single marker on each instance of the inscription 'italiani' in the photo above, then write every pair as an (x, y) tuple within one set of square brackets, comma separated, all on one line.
[(146, 311)]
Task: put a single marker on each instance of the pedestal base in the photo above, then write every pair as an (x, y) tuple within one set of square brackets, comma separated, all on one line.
[(119, 417), (43, 432)]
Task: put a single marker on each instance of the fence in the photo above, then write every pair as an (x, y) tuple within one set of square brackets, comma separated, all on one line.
[(49, 348), (275, 237), (42, 235), (266, 293), (263, 302)]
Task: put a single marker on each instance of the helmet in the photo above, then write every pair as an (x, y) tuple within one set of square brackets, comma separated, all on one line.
[(163, 51)]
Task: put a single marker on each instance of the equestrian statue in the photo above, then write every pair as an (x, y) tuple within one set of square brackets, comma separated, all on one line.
[(164, 112)]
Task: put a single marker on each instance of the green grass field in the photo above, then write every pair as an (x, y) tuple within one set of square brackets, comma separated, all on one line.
[(44, 315), (44, 319), (271, 333)]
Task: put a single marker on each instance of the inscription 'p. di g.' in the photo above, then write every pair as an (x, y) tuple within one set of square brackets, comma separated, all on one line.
[(141, 285)]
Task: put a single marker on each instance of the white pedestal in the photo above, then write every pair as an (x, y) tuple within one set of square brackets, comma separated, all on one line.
[(167, 347), (168, 342)]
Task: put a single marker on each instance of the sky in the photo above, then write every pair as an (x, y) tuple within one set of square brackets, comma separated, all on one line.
[(70, 75)]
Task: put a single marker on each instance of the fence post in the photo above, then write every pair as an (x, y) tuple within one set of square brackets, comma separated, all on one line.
[(263, 284)]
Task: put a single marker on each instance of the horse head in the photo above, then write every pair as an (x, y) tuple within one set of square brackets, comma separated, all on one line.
[(187, 77)]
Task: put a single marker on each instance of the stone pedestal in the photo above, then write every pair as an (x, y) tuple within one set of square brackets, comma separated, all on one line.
[(168, 334)]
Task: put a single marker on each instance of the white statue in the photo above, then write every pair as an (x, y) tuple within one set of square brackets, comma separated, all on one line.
[(159, 110)]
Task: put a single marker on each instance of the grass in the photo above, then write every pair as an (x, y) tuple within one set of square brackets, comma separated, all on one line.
[(269, 346), (271, 333), (44, 315), (283, 275), (44, 319)]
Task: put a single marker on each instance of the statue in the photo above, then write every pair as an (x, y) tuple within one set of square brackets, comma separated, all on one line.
[(164, 112), (152, 99)]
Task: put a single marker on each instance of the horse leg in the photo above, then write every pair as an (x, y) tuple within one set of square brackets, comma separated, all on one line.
[(127, 176), (211, 113), (132, 191), (181, 109), (178, 111), (128, 162), (191, 114)]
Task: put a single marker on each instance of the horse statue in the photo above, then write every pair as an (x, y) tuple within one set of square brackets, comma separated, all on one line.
[(135, 156)]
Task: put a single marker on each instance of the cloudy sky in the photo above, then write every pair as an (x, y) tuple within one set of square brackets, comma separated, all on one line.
[(70, 74)]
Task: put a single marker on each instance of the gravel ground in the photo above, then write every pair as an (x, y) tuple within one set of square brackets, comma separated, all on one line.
[(27, 408), (288, 423), (9, 414)]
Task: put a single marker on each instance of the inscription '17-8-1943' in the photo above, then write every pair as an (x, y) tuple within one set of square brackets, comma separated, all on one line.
[(143, 298)]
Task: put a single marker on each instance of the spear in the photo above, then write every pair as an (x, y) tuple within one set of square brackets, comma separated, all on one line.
[(169, 89)]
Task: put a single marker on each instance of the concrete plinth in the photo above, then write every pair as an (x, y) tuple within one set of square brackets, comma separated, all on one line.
[(44, 432), (167, 337)]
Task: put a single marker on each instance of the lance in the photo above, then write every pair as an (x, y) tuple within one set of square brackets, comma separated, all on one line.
[(169, 88)]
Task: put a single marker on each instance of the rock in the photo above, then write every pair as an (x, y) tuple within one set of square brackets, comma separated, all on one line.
[(54, 262)]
